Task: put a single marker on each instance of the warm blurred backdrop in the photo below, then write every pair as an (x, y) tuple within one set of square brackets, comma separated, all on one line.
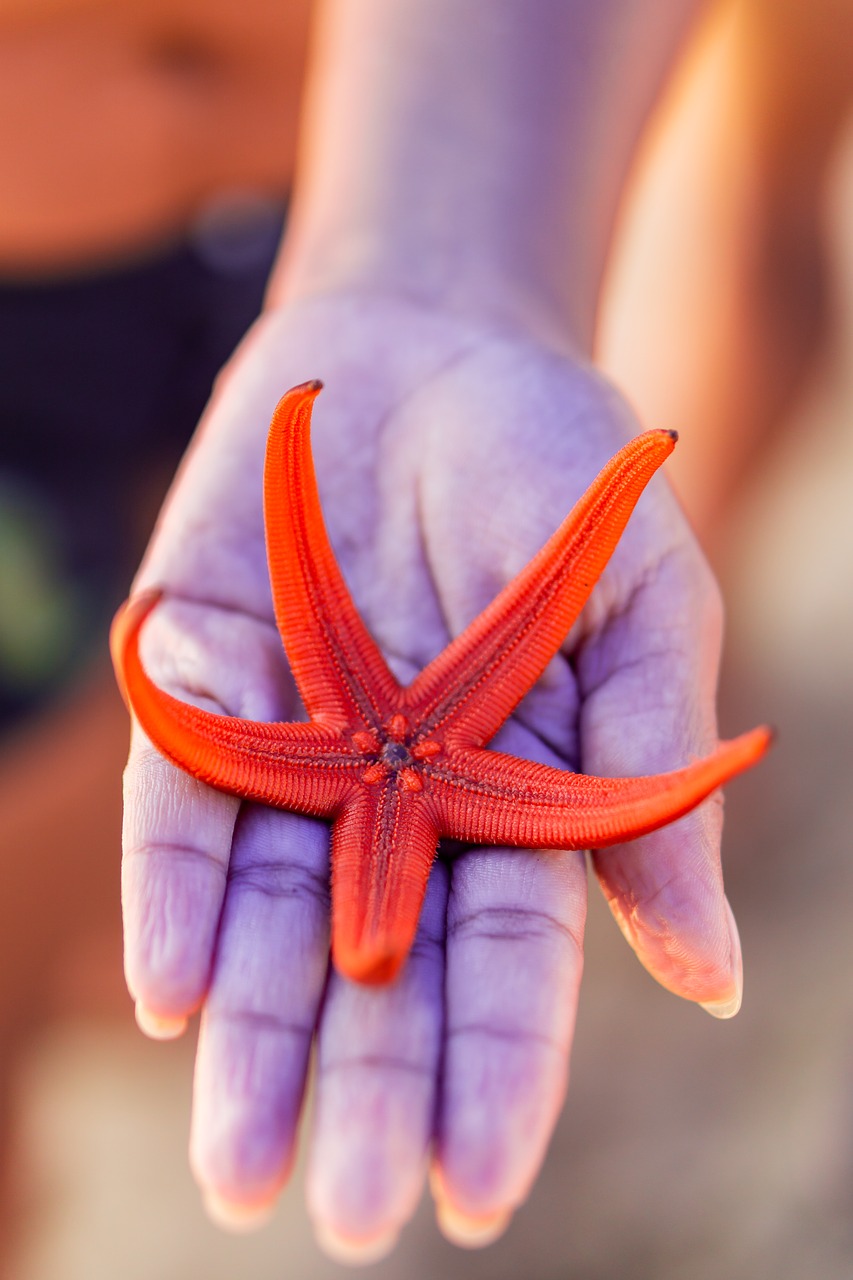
[(689, 1149)]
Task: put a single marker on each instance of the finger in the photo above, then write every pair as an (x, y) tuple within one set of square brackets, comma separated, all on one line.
[(647, 714), (514, 936), (177, 831), (259, 1019), (176, 838), (377, 1064)]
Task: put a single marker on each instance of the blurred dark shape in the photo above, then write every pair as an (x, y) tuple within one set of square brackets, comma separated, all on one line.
[(104, 377)]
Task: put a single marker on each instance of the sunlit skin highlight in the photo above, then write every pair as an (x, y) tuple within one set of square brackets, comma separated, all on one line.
[(397, 768)]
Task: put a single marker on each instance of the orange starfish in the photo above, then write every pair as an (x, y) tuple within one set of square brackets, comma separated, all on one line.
[(397, 768)]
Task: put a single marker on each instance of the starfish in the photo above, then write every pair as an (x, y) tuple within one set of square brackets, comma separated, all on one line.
[(397, 768)]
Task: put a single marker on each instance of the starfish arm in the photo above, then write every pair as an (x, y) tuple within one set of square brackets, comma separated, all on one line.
[(469, 690), (383, 847), (491, 798), (340, 671), (294, 766)]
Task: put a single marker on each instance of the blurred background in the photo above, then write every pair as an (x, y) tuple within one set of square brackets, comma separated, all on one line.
[(689, 1149)]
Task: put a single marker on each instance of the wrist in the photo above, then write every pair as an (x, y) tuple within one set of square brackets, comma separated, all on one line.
[(472, 160)]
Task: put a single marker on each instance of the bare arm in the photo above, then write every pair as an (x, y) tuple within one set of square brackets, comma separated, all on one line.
[(461, 170), (474, 155)]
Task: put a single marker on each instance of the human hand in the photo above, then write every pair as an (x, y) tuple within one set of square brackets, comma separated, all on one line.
[(446, 456)]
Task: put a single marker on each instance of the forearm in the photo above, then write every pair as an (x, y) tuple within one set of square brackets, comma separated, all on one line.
[(472, 153)]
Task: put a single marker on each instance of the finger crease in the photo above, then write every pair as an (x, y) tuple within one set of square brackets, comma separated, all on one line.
[(178, 853), (280, 882), (508, 1035), (523, 922), (257, 1021)]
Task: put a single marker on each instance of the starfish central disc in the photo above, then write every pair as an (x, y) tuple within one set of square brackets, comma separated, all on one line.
[(396, 755)]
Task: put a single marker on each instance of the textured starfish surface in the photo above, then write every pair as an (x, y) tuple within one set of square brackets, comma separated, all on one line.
[(397, 768)]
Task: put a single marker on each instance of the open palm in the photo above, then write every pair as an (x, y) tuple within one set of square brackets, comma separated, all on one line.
[(446, 456)]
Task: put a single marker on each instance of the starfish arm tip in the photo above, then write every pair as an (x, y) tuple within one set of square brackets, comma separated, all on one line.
[(758, 741), (298, 397), (134, 609), (311, 388), (125, 626), (369, 967)]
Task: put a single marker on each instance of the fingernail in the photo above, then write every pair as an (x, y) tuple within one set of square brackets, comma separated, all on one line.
[(236, 1217), (157, 1027), (471, 1231), (728, 1007), (723, 1008), (357, 1253)]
